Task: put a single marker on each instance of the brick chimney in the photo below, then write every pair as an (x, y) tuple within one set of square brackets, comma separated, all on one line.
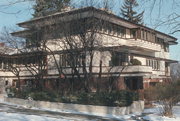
[(2, 44)]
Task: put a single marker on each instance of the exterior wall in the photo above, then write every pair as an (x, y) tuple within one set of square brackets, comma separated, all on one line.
[(162, 54)]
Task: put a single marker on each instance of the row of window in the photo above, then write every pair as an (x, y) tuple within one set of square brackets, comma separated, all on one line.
[(113, 29), (155, 64), (31, 60), (147, 35), (104, 27), (67, 60)]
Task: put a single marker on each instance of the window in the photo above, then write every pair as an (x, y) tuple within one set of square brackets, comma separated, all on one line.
[(6, 82), (117, 59), (123, 32), (153, 37), (5, 65), (113, 29), (1, 64), (120, 31), (145, 35), (133, 33), (155, 64), (65, 60), (166, 47), (109, 29), (114, 60), (148, 35), (142, 34)]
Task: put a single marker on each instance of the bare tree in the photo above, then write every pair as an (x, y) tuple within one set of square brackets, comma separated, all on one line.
[(31, 59), (170, 19), (16, 44)]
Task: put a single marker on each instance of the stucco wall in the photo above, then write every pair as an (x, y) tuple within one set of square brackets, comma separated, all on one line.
[(136, 106)]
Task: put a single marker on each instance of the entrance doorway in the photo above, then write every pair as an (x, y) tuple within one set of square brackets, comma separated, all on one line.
[(134, 83)]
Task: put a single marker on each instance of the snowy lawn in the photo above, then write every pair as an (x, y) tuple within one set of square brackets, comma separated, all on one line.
[(154, 114), (22, 117), (151, 114), (4, 116)]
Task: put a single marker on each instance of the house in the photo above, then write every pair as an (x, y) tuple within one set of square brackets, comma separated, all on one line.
[(91, 44)]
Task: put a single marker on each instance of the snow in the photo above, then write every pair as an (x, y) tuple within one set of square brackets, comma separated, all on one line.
[(154, 117), (4, 116), (122, 117), (154, 114), (151, 114)]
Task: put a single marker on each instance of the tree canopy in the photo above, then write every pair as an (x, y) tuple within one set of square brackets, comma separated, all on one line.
[(128, 12), (45, 7)]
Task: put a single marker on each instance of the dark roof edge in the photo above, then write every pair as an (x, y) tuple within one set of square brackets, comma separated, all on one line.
[(98, 10)]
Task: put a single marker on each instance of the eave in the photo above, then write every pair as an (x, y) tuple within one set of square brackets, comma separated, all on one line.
[(23, 33), (172, 42), (78, 13)]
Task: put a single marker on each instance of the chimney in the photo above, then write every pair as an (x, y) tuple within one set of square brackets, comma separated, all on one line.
[(107, 10), (2, 44), (67, 8)]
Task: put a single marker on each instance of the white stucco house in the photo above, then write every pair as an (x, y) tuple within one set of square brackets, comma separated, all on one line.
[(134, 55)]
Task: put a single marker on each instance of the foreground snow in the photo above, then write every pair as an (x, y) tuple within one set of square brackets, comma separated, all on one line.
[(154, 114), (4, 116), (119, 117), (151, 114)]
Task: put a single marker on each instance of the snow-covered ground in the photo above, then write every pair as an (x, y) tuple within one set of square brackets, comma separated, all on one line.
[(151, 114), (154, 114), (4, 116)]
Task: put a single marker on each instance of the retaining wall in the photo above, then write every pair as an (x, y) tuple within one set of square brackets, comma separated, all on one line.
[(135, 107)]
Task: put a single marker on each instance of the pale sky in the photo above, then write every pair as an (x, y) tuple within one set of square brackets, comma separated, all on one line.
[(16, 13)]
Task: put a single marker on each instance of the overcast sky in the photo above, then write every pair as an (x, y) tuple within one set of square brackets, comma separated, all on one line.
[(12, 14)]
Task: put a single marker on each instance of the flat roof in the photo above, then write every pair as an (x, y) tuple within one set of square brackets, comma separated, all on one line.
[(74, 11)]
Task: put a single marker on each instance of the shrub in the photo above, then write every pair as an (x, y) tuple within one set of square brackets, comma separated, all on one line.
[(167, 93), (135, 62), (115, 98), (43, 96), (83, 98)]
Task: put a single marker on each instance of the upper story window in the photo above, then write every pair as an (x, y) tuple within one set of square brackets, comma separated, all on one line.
[(121, 31), (112, 29), (147, 35), (164, 45), (133, 33)]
